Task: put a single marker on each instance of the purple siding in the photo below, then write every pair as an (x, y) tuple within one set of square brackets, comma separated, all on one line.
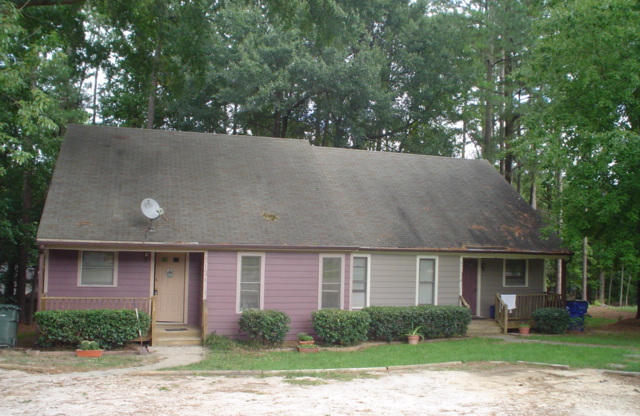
[(347, 282), (194, 314), (221, 293), (133, 276), (291, 285)]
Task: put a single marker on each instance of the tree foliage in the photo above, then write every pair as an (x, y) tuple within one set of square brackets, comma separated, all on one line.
[(547, 91)]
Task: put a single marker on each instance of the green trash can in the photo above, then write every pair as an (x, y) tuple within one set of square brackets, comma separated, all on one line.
[(9, 317)]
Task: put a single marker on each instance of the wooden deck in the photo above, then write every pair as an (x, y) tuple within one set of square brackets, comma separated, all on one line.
[(525, 306)]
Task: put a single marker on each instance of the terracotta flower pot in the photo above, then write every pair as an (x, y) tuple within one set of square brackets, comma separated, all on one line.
[(524, 330), (89, 353), (413, 339)]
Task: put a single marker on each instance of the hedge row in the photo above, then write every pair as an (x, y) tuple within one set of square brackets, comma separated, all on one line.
[(109, 327), (340, 327), (552, 320), (268, 326), (391, 323)]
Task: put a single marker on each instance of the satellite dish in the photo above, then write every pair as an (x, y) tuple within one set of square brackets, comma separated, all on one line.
[(151, 209)]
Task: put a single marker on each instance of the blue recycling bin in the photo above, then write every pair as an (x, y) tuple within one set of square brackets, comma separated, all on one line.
[(9, 317), (577, 310)]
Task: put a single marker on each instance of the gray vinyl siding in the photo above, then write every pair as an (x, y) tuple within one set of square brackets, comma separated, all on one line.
[(393, 279), (448, 280), (492, 282)]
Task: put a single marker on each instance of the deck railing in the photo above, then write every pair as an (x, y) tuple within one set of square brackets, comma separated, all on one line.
[(70, 303), (525, 306)]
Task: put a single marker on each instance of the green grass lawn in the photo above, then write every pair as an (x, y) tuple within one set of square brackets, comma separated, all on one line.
[(631, 340), (465, 350)]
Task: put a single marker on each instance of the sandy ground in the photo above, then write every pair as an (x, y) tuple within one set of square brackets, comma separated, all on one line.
[(455, 389), (480, 389)]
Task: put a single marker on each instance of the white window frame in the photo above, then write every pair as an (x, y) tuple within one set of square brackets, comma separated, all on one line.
[(80, 268), (435, 278), (239, 278), (526, 273), (321, 260), (368, 281)]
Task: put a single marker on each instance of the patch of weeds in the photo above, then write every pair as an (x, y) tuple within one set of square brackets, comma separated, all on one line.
[(220, 343), (328, 375), (304, 381), (164, 388), (253, 345)]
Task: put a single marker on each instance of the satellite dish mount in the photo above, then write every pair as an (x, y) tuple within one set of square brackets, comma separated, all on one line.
[(151, 209)]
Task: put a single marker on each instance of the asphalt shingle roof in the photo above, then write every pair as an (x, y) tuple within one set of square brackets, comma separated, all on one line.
[(221, 190)]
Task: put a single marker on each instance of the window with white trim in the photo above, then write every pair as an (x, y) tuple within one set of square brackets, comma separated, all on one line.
[(98, 268), (331, 282), (250, 281), (426, 281), (515, 273), (360, 282)]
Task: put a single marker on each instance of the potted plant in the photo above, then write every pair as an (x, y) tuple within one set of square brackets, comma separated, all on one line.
[(413, 336), (524, 328), (89, 349), (306, 343), (307, 348), (305, 339)]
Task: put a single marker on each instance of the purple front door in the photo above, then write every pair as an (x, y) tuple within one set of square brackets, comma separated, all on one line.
[(470, 283)]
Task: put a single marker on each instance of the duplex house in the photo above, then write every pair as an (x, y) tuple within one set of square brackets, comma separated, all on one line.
[(255, 222)]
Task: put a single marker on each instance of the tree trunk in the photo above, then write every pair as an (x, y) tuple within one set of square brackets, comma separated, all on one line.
[(585, 245), (533, 194), (285, 125), (95, 96), (621, 286), (638, 299), (464, 138), (601, 287), (626, 300), (487, 130), (153, 88), (23, 249)]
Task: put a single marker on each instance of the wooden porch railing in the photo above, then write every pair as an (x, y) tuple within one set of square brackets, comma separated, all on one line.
[(525, 306), (70, 303), (56, 303)]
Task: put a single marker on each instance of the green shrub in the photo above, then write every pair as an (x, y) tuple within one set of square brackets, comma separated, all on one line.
[(304, 337), (219, 343), (552, 320), (87, 345), (340, 327), (392, 323), (109, 327), (267, 327)]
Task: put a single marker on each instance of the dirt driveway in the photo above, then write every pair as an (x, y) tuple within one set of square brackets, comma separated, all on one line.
[(454, 389), (481, 389)]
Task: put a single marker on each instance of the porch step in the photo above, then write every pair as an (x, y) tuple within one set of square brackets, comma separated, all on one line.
[(173, 335), (483, 327)]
